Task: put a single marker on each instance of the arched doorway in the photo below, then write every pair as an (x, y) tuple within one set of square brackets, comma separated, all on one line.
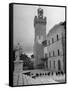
[(59, 65)]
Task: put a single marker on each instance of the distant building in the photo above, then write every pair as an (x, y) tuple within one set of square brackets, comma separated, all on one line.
[(56, 48), (40, 35)]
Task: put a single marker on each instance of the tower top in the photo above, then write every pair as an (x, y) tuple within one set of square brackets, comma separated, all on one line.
[(40, 13), (39, 19)]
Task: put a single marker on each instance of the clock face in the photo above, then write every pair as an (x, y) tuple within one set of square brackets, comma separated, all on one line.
[(39, 39)]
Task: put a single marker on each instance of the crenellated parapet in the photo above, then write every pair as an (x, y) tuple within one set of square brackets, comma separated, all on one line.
[(39, 19)]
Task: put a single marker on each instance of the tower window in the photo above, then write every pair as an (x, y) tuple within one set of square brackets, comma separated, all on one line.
[(52, 40), (57, 37), (58, 52)]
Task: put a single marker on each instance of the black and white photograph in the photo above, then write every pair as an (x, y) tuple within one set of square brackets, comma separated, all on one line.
[(37, 44)]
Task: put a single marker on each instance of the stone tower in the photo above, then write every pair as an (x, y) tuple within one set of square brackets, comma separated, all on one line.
[(40, 36)]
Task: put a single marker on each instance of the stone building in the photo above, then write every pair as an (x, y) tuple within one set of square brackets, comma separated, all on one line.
[(40, 35), (56, 48)]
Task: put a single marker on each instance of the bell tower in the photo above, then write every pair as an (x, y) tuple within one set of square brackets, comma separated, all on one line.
[(40, 36)]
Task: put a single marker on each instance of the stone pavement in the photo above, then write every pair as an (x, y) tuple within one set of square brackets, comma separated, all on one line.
[(39, 80), (44, 79), (22, 79)]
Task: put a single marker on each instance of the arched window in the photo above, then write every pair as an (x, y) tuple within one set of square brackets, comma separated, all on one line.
[(50, 64), (53, 53), (57, 37), (58, 52), (54, 64), (59, 65)]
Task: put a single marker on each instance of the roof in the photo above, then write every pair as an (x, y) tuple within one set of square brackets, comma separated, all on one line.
[(57, 26)]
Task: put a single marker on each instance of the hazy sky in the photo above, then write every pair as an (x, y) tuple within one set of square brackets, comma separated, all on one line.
[(24, 23)]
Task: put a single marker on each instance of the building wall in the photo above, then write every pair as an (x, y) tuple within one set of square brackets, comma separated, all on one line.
[(55, 48)]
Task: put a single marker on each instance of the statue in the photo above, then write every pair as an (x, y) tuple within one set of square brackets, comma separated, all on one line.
[(17, 54)]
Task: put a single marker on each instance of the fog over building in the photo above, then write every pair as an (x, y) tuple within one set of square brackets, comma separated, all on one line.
[(23, 23)]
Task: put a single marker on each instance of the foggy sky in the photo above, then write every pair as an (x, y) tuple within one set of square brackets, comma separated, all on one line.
[(23, 30)]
